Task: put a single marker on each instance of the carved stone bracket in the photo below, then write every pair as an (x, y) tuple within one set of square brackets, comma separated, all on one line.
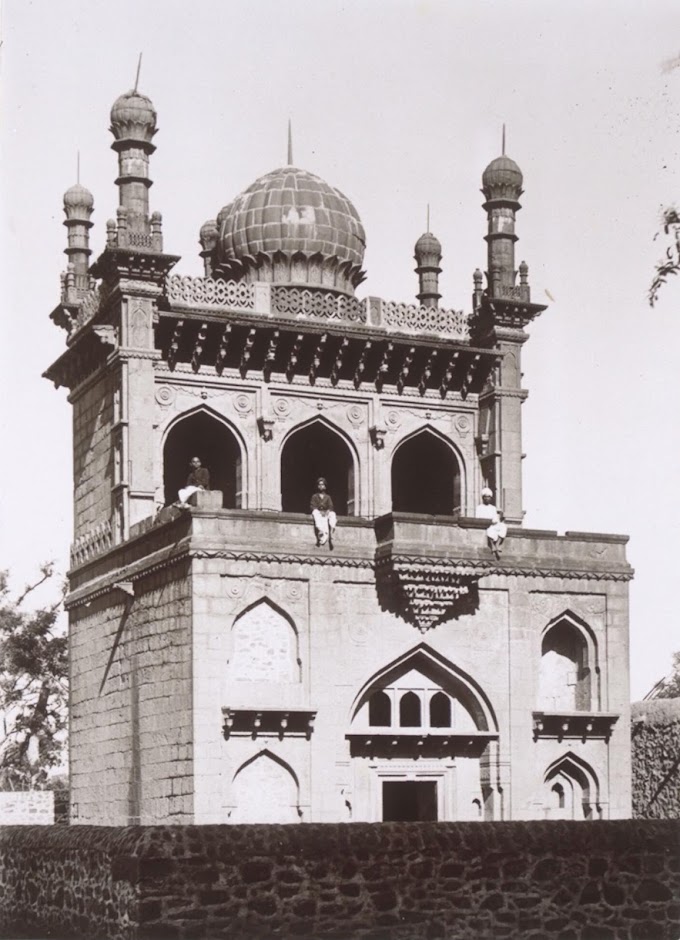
[(251, 722), (265, 426), (378, 432), (425, 592)]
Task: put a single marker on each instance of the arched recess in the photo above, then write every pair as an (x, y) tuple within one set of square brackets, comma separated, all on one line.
[(265, 789), (203, 433), (569, 672), (571, 789), (426, 474), (264, 645), (427, 674), (318, 449)]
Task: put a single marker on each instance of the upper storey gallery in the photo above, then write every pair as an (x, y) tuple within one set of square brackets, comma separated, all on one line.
[(276, 308)]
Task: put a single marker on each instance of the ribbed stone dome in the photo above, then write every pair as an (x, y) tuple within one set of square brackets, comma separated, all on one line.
[(428, 244), (290, 226), (76, 198), (133, 117), (502, 178)]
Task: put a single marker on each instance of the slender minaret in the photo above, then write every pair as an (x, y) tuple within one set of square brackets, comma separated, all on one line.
[(78, 207), (133, 124), (428, 255), (502, 187)]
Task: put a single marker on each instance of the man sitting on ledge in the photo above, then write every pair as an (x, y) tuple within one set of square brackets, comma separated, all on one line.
[(198, 479), (325, 520), (498, 530)]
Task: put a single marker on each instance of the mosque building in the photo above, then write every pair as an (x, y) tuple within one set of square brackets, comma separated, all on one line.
[(229, 664)]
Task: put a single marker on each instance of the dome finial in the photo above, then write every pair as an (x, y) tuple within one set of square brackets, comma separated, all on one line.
[(428, 218), (290, 143), (503, 141), (78, 167), (139, 67)]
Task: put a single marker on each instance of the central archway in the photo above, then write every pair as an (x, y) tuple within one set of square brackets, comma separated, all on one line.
[(314, 451), (425, 476)]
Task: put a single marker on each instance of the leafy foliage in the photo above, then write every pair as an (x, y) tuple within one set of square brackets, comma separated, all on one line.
[(671, 686), (33, 688), (671, 263)]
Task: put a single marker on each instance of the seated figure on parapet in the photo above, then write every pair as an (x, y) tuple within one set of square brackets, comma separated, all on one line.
[(497, 531), (198, 479), (325, 520)]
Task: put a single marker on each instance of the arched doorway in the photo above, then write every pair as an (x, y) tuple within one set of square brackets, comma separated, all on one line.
[(425, 476), (202, 435), (311, 452)]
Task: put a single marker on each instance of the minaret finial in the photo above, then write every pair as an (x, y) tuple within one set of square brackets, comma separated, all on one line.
[(290, 143), (78, 166), (428, 218), (503, 142), (139, 66)]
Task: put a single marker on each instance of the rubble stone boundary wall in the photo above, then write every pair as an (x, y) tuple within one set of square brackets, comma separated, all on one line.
[(655, 728), (616, 880)]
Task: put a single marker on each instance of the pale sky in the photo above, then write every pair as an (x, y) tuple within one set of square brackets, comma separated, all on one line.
[(397, 104)]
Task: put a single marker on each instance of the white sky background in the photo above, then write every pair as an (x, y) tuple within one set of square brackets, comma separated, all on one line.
[(398, 104)]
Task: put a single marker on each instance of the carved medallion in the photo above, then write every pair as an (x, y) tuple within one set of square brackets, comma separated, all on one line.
[(165, 395)]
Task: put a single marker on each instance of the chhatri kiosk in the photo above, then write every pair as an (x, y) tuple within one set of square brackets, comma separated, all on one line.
[(225, 668)]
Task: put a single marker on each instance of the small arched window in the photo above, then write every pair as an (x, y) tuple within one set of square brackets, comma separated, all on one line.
[(380, 710), (440, 711), (409, 711)]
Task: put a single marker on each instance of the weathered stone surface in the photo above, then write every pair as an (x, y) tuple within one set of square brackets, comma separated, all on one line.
[(142, 882), (656, 759)]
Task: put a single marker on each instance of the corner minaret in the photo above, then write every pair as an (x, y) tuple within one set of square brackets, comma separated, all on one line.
[(428, 255), (502, 186), (501, 313), (78, 208), (133, 124)]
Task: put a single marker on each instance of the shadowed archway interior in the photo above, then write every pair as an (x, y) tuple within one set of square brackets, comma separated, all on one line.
[(201, 435), (425, 476), (312, 452)]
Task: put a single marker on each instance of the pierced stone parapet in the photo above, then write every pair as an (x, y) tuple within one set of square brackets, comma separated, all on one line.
[(209, 292), (409, 318), (93, 543), (324, 305)]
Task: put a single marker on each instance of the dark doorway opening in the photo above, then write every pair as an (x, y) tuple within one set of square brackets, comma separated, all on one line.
[(312, 452), (409, 801), (201, 435), (425, 477)]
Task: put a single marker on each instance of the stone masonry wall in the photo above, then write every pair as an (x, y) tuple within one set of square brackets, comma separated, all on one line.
[(93, 457), (131, 738), (617, 880), (656, 759)]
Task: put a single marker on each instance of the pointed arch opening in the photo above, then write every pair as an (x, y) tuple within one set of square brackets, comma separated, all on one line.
[(445, 696), (426, 476), (265, 789), (568, 672), (203, 435), (571, 790), (264, 645), (312, 451)]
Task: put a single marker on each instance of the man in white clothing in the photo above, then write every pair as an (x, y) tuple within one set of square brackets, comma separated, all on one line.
[(498, 530)]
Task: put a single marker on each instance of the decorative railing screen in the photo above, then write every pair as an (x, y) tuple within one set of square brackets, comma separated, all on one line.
[(299, 302), (412, 319), (208, 292)]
